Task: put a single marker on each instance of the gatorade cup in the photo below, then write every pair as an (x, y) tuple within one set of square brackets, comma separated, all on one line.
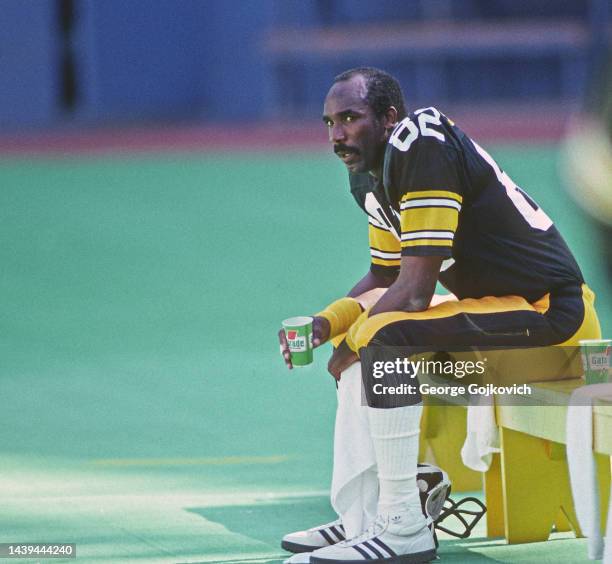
[(596, 354), (299, 338)]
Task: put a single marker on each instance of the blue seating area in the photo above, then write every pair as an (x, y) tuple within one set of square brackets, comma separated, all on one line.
[(98, 62)]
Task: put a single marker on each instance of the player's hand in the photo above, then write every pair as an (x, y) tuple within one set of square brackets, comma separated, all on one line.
[(342, 358), (320, 334), (320, 331)]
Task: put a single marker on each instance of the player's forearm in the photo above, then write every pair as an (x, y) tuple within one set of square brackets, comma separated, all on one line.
[(369, 282), (414, 287), (342, 313), (396, 298), (399, 299)]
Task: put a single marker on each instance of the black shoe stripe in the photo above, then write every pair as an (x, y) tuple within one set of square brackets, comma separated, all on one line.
[(362, 552), (333, 534), (326, 536), (341, 527), (337, 533), (377, 552), (383, 545)]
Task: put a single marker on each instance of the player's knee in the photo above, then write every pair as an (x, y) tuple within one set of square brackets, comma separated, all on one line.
[(385, 383), (380, 331), (369, 332)]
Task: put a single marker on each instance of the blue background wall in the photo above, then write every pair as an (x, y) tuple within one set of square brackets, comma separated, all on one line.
[(198, 60), (29, 64)]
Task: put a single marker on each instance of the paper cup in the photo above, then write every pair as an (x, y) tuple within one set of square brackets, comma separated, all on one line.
[(596, 355), (298, 331)]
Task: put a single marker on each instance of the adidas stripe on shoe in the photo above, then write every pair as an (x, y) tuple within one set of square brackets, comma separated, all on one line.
[(312, 539), (379, 545)]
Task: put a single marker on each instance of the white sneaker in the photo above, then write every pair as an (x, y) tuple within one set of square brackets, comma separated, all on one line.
[(317, 537), (379, 544), (299, 558)]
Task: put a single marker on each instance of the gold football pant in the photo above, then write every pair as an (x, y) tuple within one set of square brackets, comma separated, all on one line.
[(562, 317)]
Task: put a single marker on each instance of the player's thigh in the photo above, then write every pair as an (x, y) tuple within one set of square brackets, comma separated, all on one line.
[(504, 321)]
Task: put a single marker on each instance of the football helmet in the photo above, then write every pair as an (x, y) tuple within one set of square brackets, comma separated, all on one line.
[(437, 506)]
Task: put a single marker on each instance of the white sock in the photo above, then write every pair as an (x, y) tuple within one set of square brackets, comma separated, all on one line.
[(395, 435)]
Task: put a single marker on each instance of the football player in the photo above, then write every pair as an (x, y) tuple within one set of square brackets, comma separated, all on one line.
[(439, 209)]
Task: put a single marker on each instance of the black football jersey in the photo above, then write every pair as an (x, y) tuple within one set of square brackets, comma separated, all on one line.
[(442, 194)]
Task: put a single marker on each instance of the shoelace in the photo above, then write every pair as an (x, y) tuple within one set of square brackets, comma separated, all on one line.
[(374, 529)]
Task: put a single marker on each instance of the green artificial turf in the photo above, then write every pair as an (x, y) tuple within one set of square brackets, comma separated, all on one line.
[(146, 414)]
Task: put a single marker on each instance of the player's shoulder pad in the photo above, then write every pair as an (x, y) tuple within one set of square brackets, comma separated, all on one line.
[(421, 127), (420, 143), (424, 130)]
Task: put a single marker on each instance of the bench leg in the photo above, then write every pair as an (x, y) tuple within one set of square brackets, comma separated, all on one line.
[(536, 488), (494, 499), (533, 487)]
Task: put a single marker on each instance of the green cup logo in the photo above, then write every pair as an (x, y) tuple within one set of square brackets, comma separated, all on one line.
[(298, 331), (295, 342), (600, 361), (596, 360)]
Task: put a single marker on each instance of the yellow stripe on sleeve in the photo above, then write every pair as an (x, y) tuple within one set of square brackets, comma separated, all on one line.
[(427, 243), (382, 240), (427, 219), (383, 244)]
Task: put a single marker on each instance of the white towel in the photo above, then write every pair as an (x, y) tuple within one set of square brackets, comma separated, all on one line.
[(354, 491), (582, 469), (482, 438)]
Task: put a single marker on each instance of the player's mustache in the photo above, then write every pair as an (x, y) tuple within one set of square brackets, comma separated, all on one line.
[(345, 149)]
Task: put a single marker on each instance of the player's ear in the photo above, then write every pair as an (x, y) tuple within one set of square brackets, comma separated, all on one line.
[(390, 118)]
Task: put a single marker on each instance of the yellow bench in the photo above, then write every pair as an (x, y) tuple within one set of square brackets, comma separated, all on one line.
[(527, 487)]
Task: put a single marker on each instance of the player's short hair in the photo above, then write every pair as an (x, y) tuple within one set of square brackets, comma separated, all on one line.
[(383, 90)]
